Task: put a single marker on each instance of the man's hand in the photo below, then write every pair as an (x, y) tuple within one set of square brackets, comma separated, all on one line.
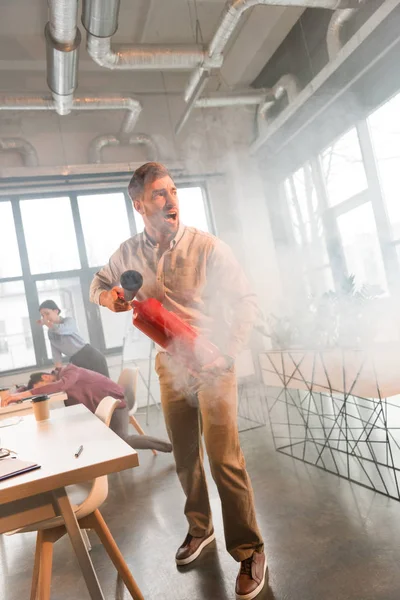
[(58, 365), (114, 300)]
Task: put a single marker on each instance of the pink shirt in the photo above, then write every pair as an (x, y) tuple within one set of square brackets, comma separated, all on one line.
[(83, 387)]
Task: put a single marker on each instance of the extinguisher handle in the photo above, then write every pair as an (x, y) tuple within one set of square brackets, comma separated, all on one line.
[(119, 296)]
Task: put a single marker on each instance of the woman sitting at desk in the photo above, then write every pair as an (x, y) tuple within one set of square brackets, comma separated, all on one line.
[(89, 388), (65, 339)]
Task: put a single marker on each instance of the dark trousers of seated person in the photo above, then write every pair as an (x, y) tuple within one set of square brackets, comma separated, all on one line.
[(91, 359), (120, 425), (191, 410)]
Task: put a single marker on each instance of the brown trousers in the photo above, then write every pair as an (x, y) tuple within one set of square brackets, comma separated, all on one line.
[(211, 409)]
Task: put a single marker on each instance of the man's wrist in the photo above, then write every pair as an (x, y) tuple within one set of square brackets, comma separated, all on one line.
[(103, 293)]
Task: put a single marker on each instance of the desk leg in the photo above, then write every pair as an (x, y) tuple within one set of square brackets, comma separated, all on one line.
[(63, 507)]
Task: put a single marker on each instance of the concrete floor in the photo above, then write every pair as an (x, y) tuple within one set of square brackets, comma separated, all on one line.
[(325, 538)]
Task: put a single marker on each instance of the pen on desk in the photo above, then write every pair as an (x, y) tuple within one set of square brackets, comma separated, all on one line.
[(78, 452)]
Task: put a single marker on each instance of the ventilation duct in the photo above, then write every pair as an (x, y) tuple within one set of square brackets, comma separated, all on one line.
[(333, 41), (145, 58), (196, 93), (139, 139), (100, 19), (25, 103), (231, 17), (263, 98), (23, 147), (357, 58), (241, 99), (286, 85), (62, 48)]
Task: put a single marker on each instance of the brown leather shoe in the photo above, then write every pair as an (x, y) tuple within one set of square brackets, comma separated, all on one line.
[(192, 548), (251, 578)]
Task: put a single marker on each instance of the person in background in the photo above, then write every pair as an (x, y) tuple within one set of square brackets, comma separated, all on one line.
[(89, 388), (196, 276), (65, 339)]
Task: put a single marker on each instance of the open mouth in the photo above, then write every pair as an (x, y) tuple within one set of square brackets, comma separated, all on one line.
[(171, 216)]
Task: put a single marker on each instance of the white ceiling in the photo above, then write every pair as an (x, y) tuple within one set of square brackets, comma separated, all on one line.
[(260, 32)]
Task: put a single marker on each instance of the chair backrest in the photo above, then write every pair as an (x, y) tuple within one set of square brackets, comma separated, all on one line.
[(99, 489), (128, 381), (106, 408)]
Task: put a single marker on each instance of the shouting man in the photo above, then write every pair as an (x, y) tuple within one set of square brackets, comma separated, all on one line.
[(196, 276)]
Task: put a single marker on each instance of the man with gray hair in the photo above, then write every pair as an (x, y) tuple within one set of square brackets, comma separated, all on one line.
[(195, 275)]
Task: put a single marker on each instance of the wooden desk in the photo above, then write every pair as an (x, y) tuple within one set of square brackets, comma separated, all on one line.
[(40, 494), (25, 408)]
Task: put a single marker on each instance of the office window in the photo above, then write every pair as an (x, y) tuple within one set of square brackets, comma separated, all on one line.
[(56, 232), (361, 247), (13, 307), (343, 169), (115, 326), (26, 326), (105, 225), (50, 235), (192, 209), (10, 264), (3, 338), (67, 294), (305, 216), (384, 127)]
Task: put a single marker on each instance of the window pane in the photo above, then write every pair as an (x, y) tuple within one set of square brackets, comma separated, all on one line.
[(305, 217), (67, 294), (16, 347), (10, 264), (191, 207), (384, 126), (50, 235), (344, 169), (115, 325), (319, 281), (105, 225), (361, 247)]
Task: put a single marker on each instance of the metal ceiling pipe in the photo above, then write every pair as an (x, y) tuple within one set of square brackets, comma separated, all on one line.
[(333, 41), (235, 8), (100, 17), (139, 139), (63, 15), (196, 76), (132, 106), (231, 17), (128, 57), (190, 105), (25, 103), (62, 51), (243, 99), (23, 147), (287, 84)]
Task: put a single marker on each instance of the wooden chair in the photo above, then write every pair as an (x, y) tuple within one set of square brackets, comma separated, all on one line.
[(85, 500), (128, 381)]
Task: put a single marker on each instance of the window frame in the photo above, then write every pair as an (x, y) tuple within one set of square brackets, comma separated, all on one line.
[(330, 213)]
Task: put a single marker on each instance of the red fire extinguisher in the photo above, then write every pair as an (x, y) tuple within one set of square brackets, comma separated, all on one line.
[(165, 328)]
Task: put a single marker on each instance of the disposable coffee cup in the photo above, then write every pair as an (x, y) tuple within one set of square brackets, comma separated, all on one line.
[(4, 391), (41, 407)]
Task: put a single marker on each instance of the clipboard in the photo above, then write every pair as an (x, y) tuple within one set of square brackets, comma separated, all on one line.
[(11, 467)]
